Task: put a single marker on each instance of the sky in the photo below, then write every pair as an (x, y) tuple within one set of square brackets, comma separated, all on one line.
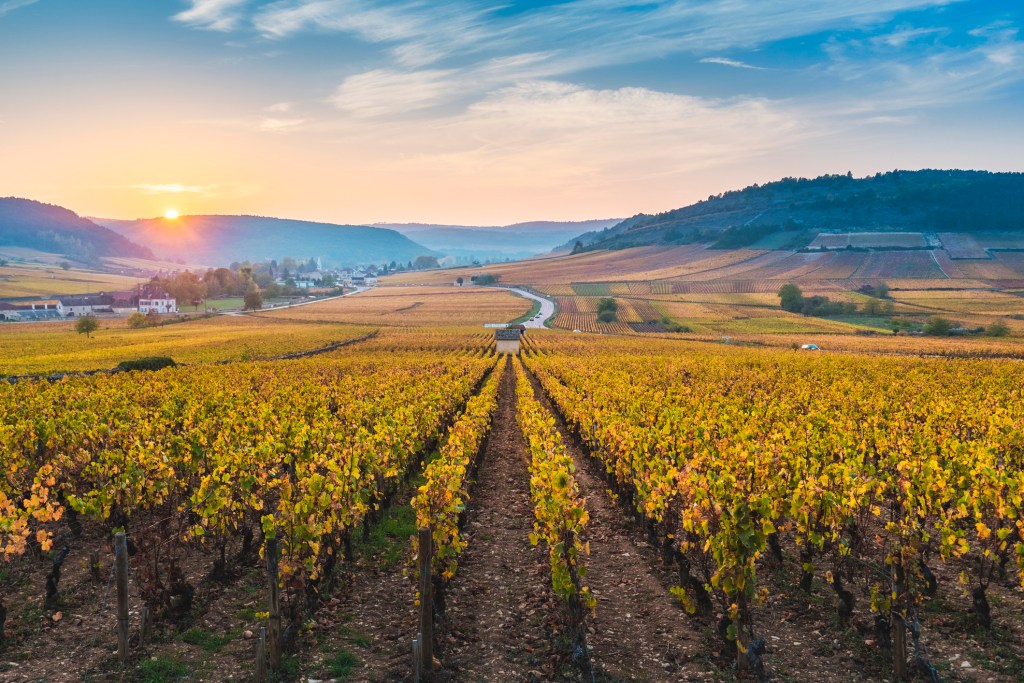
[(487, 113)]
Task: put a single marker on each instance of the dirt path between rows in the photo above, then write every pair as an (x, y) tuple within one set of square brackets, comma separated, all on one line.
[(639, 632), (500, 608)]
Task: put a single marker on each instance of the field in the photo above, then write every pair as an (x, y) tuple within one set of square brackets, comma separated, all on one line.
[(868, 239), (661, 505), (414, 307), (27, 348), (707, 504), (33, 280)]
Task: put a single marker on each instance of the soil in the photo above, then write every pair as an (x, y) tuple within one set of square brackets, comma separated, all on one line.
[(638, 632), (501, 621)]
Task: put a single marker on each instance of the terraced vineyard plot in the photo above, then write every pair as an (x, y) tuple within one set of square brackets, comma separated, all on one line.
[(414, 307), (904, 264), (55, 347), (962, 246)]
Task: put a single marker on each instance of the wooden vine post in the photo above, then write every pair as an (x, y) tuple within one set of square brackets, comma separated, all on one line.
[(898, 626), (426, 660), (121, 577), (261, 656), (274, 605)]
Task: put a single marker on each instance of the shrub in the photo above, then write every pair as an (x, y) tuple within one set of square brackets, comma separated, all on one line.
[(484, 279), (136, 320), (149, 363), (938, 327), (997, 329)]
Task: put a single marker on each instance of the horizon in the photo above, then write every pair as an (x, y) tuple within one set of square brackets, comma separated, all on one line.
[(348, 112)]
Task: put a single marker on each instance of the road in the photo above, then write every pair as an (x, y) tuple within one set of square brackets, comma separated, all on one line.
[(236, 312), (547, 307)]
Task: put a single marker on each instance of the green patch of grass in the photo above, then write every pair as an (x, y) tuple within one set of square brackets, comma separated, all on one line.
[(534, 310), (163, 669), (389, 538), (356, 637), (247, 614), (289, 670), (207, 640), (340, 666)]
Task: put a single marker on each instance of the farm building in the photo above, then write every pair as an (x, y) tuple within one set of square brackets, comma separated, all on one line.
[(86, 304), (508, 340)]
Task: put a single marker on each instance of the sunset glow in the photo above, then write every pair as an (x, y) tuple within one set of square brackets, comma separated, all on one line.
[(171, 214), (485, 113)]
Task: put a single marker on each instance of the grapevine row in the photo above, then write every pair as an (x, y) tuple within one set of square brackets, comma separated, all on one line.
[(871, 468)]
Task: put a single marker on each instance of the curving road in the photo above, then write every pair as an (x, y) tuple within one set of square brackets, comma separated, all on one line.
[(547, 307)]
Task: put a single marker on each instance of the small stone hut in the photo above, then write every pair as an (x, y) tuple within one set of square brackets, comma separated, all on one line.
[(508, 340)]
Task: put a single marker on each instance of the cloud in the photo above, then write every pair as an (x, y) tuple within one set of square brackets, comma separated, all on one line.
[(939, 75), (548, 134), (173, 188), (272, 124), (213, 15), (385, 92), (8, 6), (725, 61), (420, 32)]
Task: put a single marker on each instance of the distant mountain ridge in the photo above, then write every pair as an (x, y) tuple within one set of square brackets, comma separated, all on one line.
[(497, 242), (917, 201), (54, 229), (221, 240)]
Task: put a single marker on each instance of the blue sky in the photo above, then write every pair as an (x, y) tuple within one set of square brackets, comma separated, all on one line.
[(485, 112)]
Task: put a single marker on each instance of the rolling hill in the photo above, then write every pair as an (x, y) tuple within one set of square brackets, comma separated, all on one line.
[(467, 243), (790, 213), (29, 224), (221, 240)]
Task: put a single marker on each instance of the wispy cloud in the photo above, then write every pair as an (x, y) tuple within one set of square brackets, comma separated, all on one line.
[(725, 61), (173, 188), (938, 76), (213, 15), (555, 134), (8, 6)]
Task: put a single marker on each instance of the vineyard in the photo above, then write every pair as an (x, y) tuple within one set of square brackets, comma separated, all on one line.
[(615, 507)]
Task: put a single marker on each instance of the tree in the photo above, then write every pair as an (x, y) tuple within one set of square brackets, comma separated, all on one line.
[(186, 287), (872, 307), (136, 320), (424, 262), (86, 325), (288, 265), (937, 327), (578, 247), (253, 299), (65, 265), (791, 298), (459, 281), (606, 310)]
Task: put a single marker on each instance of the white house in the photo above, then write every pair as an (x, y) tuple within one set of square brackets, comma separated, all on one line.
[(155, 300)]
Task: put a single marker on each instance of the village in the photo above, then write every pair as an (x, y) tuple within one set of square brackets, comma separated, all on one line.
[(154, 299)]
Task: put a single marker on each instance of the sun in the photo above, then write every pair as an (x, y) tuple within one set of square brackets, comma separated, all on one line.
[(171, 214)]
